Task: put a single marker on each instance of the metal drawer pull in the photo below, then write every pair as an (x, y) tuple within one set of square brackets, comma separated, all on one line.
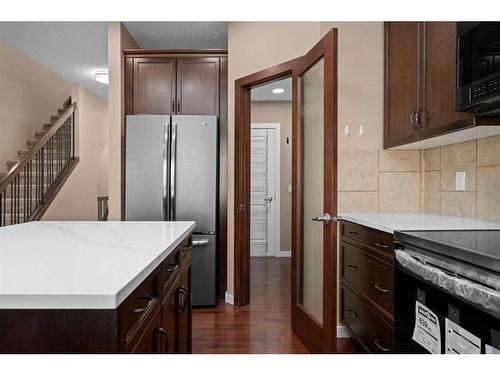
[(184, 293), (353, 313), (352, 268), (150, 300), (202, 242), (165, 341), (377, 343), (353, 233), (380, 289), (378, 244), (172, 268)]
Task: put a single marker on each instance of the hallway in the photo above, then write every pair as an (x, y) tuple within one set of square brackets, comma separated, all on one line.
[(263, 326)]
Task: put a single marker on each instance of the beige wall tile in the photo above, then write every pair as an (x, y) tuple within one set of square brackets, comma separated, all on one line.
[(460, 157), (488, 193), (432, 192), (432, 159), (358, 201), (399, 192), (488, 151), (358, 170), (399, 160), (458, 203)]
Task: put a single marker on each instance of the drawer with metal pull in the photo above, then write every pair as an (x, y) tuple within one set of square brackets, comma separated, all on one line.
[(373, 333), (369, 239), (370, 276), (171, 267), (136, 311)]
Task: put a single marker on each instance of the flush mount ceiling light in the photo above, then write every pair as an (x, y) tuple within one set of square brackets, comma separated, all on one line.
[(278, 90), (101, 76)]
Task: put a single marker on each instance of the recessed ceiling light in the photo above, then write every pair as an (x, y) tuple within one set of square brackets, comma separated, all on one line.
[(278, 90), (101, 77)]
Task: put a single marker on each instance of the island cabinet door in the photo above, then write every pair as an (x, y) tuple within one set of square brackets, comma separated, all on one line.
[(153, 339), (185, 322), (170, 318)]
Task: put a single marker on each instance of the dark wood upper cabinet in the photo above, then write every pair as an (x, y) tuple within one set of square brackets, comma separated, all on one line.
[(401, 81), (198, 86), (439, 61), (154, 86), (420, 78)]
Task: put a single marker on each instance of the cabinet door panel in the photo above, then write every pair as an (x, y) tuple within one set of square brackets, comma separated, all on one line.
[(170, 318), (151, 340), (440, 77), (401, 81), (154, 85), (185, 323), (198, 86)]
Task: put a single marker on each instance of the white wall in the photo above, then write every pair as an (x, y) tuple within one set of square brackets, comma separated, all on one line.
[(118, 39), (77, 200), (29, 94)]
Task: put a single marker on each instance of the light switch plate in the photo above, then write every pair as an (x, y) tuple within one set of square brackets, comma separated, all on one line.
[(289, 188), (460, 181)]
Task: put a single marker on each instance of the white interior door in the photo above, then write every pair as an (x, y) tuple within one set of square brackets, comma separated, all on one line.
[(264, 200)]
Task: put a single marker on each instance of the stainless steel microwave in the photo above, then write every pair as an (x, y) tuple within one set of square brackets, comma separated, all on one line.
[(478, 68)]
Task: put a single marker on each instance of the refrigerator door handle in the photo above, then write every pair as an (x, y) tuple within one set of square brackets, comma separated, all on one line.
[(166, 177), (201, 242), (173, 155)]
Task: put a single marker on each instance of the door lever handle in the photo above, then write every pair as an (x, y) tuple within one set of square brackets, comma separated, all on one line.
[(326, 218), (268, 199)]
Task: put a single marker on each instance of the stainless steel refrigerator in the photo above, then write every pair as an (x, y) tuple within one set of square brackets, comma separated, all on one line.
[(171, 174)]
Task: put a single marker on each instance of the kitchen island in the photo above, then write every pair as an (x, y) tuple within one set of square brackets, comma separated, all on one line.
[(95, 287)]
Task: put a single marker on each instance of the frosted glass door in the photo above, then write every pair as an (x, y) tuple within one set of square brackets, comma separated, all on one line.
[(311, 112)]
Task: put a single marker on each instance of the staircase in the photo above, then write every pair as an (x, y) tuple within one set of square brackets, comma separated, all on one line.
[(32, 182)]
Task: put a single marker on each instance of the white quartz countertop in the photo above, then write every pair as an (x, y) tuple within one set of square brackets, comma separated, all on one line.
[(398, 222), (81, 265)]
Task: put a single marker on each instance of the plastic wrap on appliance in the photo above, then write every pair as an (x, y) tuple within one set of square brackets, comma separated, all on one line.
[(475, 293)]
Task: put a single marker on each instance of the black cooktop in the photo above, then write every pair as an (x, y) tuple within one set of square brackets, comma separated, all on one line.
[(478, 247)]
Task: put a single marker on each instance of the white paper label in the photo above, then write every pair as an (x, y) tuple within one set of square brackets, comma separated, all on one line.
[(490, 349), (460, 341), (426, 331)]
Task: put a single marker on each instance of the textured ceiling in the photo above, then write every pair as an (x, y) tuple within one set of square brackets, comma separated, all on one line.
[(73, 50), (179, 34), (264, 93)]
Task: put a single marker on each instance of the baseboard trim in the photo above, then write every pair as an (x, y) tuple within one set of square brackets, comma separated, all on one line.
[(284, 254), (229, 299), (342, 332)]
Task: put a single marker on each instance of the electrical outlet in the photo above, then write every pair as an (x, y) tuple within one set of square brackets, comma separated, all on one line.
[(460, 181)]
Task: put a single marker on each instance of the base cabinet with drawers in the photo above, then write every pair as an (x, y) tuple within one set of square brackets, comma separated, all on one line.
[(154, 318), (169, 328), (367, 286)]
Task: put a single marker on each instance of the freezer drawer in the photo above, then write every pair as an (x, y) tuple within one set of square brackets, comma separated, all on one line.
[(146, 169), (203, 270), (193, 187)]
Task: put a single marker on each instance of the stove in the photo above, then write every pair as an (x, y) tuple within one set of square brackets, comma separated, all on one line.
[(476, 247), (447, 291)]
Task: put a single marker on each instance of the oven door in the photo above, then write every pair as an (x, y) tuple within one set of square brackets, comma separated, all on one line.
[(448, 298)]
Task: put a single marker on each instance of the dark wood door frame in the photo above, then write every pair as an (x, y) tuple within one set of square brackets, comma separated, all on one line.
[(242, 125)]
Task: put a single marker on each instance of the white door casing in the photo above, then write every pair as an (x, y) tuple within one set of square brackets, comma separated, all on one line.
[(265, 190)]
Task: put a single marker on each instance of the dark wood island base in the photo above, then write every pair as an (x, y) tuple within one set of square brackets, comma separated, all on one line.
[(154, 318)]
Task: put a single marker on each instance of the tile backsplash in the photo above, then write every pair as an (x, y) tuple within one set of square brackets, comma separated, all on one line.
[(379, 181), (480, 160), (423, 180)]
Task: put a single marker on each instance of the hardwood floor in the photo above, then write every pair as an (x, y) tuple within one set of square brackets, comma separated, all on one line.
[(263, 326)]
